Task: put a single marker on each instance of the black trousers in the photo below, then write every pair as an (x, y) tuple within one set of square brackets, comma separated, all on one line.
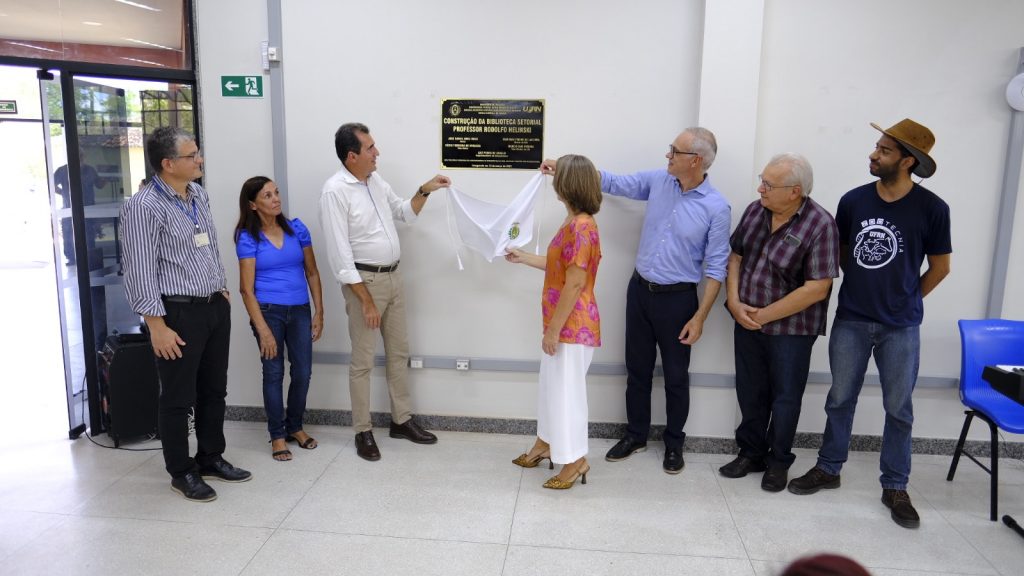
[(200, 379), (771, 375), (653, 322)]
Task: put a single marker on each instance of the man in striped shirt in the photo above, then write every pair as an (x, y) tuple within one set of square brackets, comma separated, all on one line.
[(175, 280), (785, 253)]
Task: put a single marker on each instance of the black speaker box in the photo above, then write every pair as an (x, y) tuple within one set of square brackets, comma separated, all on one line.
[(129, 387)]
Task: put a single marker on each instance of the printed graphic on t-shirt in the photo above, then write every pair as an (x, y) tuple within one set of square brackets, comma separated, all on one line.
[(877, 243)]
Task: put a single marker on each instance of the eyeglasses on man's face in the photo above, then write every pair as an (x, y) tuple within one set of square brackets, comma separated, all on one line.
[(672, 151), (762, 183), (193, 156)]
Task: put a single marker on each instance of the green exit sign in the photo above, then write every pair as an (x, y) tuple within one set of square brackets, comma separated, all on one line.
[(8, 106), (241, 86)]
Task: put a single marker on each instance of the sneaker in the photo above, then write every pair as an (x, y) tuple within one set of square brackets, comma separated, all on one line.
[(624, 449), (903, 513), (814, 480), (193, 488), (222, 470)]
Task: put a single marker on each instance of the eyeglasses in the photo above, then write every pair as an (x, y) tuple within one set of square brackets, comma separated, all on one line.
[(672, 151), (769, 187), (193, 156)]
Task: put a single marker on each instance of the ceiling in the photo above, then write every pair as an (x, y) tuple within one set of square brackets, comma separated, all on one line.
[(138, 23)]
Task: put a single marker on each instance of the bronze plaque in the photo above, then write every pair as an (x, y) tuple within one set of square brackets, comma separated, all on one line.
[(492, 134)]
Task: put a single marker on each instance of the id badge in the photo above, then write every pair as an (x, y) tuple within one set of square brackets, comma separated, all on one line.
[(202, 239)]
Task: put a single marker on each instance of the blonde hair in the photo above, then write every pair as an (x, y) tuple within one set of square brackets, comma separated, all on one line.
[(578, 183)]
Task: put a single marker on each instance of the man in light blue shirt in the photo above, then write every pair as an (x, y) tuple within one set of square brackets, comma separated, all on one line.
[(685, 238)]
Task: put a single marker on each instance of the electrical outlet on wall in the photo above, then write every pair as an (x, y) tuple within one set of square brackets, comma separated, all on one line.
[(462, 364)]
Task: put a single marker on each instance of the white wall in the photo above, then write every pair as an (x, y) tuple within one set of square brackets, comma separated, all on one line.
[(619, 82)]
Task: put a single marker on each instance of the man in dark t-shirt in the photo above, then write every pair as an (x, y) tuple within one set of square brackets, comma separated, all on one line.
[(887, 229)]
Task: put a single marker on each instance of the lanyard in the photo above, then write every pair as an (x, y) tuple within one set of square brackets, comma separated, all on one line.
[(194, 216)]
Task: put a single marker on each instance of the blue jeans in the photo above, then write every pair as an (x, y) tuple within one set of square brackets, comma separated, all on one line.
[(897, 353), (293, 328), (771, 375)]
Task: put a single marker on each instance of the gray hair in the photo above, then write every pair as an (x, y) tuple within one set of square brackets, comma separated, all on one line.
[(800, 172), (704, 143), (163, 144)]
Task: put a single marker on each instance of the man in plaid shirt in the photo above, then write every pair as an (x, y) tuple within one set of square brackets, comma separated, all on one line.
[(785, 253)]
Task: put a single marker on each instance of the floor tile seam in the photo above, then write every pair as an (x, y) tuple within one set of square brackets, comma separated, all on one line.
[(959, 532), (732, 516), (65, 518), (630, 552), (389, 536), (177, 522), (312, 485), (512, 522)]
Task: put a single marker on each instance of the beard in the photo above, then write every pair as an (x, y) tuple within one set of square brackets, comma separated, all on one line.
[(884, 173)]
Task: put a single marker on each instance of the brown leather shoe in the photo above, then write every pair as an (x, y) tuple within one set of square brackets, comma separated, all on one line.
[(411, 431), (366, 446)]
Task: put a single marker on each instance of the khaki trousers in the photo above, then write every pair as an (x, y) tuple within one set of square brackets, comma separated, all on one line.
[(386, 290)]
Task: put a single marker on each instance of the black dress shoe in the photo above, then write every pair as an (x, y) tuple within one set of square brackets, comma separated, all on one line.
[(222, 470), (741, 466), (193, 488), (624, 449), (366, 446), (774, 479), (673, 463), (412, 431)]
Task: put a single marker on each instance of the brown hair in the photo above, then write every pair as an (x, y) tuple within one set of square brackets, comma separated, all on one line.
[(578, 183)]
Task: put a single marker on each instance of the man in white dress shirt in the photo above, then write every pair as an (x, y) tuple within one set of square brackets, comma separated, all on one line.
[(358, 210)]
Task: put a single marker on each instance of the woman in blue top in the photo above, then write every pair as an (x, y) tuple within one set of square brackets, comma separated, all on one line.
[(278, 273)]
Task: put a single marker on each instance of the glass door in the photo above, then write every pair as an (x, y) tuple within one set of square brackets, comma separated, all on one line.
[(100, 162)]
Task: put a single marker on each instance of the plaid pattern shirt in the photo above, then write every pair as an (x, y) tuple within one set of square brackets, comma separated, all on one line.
[(776, 263)]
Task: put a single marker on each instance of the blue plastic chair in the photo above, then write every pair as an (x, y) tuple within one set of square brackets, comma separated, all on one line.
[(985, 343)]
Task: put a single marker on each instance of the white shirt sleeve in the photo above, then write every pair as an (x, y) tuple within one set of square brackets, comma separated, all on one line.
[(334, 221), (400, 209)]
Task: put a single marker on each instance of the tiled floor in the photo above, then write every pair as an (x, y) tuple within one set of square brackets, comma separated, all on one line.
[(461, 507)]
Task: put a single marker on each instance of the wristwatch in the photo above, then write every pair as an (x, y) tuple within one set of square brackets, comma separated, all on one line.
[(420, 192)]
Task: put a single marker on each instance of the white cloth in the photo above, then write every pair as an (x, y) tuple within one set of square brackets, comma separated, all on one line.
[(562, 401), (358, 219), (491, 229)]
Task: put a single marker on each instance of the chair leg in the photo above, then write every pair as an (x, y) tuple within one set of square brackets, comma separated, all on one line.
[(995, 471), (960, 445)]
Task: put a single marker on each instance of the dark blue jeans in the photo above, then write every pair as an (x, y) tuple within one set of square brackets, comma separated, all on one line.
[(653, 322), (771, 375), (897, 352), (293, 329)]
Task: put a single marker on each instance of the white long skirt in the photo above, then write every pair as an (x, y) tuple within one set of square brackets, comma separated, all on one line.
[(562, 401)]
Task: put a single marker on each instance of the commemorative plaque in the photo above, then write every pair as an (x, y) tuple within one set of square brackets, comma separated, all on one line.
[(492, 134)]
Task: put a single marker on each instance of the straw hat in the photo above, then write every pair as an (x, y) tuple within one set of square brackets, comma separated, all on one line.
[(917, 139)]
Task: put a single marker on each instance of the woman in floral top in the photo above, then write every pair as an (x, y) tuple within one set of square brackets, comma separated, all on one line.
[(572, 324)]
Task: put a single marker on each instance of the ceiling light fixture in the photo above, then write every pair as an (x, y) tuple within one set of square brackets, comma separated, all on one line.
[(33, 46), (137, 5), (143, 42), (143, 61)]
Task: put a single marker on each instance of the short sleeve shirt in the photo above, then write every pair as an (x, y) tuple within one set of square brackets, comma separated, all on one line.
[(575, 244), (886, 243), (280, 272), (777, 263)]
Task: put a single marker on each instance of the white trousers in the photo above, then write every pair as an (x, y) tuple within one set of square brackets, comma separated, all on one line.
[(562, 401)]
